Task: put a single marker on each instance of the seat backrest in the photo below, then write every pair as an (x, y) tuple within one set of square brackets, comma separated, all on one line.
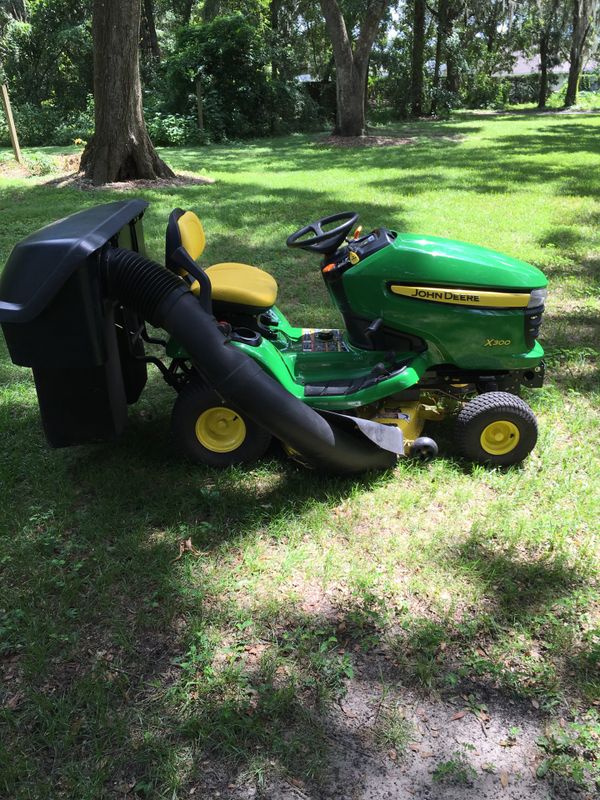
[(185, 230), (185, 241)]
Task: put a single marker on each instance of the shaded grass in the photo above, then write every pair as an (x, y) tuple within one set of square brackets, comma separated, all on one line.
[(125, 671)]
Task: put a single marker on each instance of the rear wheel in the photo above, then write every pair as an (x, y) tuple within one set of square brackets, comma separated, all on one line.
[(496, 428), (210, 431)]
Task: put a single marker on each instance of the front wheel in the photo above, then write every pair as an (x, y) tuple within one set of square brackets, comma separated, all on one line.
[(210, 431), (496, 428)]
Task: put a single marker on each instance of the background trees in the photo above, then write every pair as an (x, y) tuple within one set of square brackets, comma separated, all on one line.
[(238, 62), (120, 148)]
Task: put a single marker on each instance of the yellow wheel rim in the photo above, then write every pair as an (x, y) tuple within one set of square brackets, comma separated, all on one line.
[(500, 437), (220, 429)]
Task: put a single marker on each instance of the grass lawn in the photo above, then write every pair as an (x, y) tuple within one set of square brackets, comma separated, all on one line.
[(431, 622)]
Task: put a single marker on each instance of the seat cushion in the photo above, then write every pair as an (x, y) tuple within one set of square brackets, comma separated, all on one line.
[(242, 285)]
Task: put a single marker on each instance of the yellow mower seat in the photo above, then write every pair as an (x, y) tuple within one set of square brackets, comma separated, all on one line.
[(242, 285), (232, 283)]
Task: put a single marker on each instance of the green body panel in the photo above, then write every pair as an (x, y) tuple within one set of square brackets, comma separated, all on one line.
[(285, 361), (456, 334), (424, 259), (463, 336)]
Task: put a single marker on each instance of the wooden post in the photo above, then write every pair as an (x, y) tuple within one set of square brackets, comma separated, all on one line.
[(11, 124), (199, 103)]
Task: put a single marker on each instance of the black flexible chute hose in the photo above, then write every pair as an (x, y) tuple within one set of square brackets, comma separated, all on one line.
[(162, 299)]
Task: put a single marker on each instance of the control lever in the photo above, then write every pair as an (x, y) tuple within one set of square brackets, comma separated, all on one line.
[(372, 330)]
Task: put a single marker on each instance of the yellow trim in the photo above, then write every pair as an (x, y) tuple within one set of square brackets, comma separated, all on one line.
[(220, 429), (193, 238), (242, 284), (500, 437), (464, 297)]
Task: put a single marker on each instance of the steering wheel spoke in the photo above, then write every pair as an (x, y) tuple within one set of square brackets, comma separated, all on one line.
[(323, 241)]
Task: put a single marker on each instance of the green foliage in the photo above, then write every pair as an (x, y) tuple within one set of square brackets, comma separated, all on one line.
[(231, 59), (573, 751), (48, 58), (458, 770), (47, 124), (173, 129), (392, 729)]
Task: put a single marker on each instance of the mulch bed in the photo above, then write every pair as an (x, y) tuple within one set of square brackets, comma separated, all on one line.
[(76, 181)]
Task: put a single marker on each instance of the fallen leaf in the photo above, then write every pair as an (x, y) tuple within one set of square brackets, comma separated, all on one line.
[(504, 778), (535, 704), (393, 754), (186, 546), (15, 701), (415, 747), (458, 715), (426, 754)]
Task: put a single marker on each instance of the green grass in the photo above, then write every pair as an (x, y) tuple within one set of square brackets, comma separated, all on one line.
[(124, 670), (586, 101)]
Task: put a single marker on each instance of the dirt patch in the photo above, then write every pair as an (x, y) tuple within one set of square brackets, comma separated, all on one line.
[(10, 169), (366, 141), (386, 141), (62, 171)]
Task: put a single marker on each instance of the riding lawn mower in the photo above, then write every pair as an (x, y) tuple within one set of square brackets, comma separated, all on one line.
[(433, 328)]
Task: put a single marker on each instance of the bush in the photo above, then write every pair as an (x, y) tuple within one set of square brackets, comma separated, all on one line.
[(173, 130), (45, 124)]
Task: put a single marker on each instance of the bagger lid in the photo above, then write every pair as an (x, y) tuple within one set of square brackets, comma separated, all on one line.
[(40, 265)]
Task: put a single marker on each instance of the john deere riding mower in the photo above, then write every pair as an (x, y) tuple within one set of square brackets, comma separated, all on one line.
[(432, 328)]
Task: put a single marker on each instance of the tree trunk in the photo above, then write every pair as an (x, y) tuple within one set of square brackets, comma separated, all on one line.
[(543, 87), (183, 10), (210, 10), (417, 60), (18, 10), (582, 23), (120, 149), (149, 38), (350, 92), (452, 74), (274, 8), (199, 103), (351, 63), (442, 17)]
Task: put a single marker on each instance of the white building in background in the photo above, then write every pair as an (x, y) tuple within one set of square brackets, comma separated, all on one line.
[(524, 66)]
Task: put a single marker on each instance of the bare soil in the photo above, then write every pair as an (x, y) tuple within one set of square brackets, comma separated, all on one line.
[(366, 141), (444, 731), (66, 175)]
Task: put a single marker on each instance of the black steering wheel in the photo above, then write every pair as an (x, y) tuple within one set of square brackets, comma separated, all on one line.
[(324, 241)]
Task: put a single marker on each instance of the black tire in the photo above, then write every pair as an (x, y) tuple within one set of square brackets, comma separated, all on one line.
[(424, 449), (515, 428), (220, 448)]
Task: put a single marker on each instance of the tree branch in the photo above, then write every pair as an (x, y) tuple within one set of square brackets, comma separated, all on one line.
[(336, 27), (369, 29)]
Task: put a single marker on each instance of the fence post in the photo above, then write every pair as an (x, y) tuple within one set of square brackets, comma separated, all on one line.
[(11, 124), (199, 103)]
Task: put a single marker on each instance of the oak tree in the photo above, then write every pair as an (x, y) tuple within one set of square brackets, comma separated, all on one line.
[(120, 149), (352, 62)]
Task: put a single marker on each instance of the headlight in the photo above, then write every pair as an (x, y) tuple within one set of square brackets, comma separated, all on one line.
[(537, 298)]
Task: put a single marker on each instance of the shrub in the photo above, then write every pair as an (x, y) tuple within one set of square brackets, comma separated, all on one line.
[(172, 130), (45, 124)]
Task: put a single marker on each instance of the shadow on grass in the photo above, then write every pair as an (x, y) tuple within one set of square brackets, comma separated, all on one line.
[(127, 659), (125, 669)]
